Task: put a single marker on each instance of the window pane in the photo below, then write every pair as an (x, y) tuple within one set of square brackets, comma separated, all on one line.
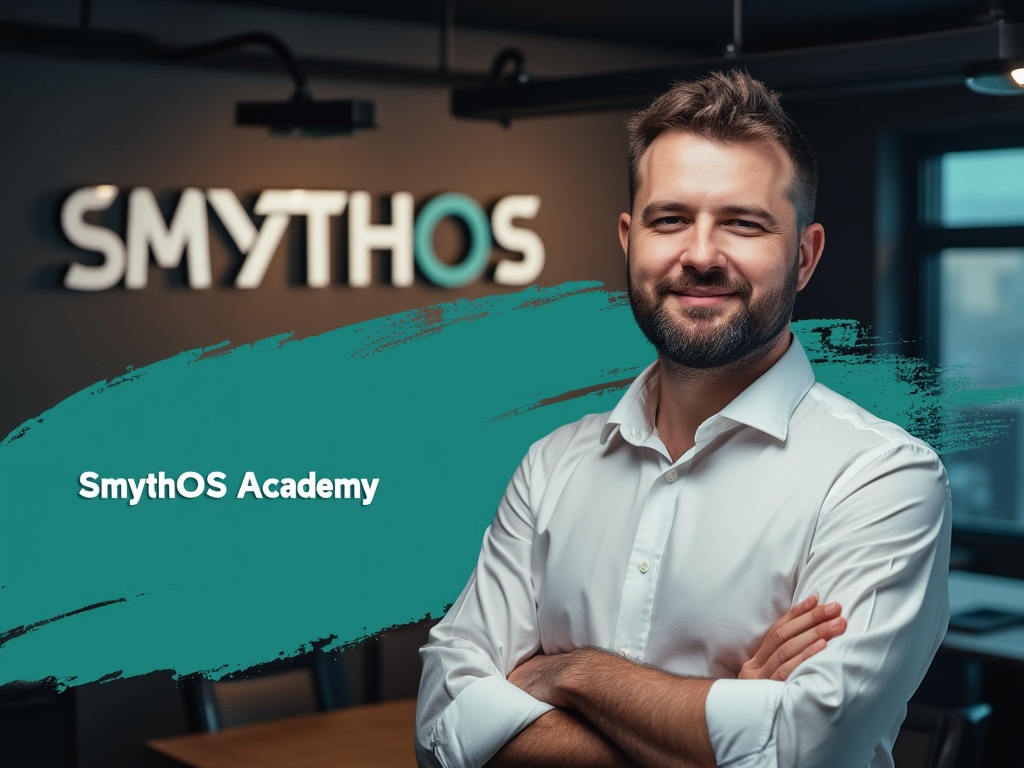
[(981, 313), (982, 189), (981, 326)]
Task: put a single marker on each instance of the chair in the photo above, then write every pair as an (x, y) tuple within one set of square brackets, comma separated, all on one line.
[(939, 738), (314, 682)]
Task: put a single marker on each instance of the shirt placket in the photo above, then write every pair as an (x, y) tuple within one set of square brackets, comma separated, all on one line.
[(636, 605)]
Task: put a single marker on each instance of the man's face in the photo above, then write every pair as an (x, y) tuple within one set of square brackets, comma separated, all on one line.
[(713, 257)]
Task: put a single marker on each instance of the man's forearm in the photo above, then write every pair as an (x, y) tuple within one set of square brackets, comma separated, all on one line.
[(560, 739), (655, 718)]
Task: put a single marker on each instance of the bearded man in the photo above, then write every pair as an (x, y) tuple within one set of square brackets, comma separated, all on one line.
[(625, 608)]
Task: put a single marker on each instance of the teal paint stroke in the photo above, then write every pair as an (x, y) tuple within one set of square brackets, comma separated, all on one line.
[(938, 404), (440, 404)]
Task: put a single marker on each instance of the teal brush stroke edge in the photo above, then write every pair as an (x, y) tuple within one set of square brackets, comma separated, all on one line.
[(441, 398), (928, 401)]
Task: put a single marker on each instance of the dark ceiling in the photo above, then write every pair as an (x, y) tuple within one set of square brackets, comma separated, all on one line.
[(695, 27), (801, 48)]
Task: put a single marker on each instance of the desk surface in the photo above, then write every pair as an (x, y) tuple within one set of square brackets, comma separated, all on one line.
[(378, 735), (968, 591)]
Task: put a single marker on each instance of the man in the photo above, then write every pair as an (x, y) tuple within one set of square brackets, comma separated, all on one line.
[(620, 610)]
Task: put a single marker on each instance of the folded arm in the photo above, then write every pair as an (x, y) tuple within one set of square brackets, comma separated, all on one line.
[(561, 739), (635, 713), (655, 718)]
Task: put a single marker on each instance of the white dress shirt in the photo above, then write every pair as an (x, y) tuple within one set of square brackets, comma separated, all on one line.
[(602, 540)]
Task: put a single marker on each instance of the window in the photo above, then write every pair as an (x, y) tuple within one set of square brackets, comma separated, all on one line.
[(981, 188), (962, 247), (979, 324)]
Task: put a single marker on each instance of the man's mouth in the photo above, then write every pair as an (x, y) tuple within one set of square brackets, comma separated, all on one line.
[(703, 297)]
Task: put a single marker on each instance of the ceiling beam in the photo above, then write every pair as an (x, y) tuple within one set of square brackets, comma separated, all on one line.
[(927, 60)]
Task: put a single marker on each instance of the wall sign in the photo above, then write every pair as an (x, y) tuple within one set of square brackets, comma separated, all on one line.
[(407, 237)]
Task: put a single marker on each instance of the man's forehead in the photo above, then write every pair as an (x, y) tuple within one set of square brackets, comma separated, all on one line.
[(671, 142), (678, 156)]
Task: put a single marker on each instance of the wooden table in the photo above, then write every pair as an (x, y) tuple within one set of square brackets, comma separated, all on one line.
[(378, 735)]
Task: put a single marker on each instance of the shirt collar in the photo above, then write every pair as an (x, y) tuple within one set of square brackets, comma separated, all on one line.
[(766, 405)]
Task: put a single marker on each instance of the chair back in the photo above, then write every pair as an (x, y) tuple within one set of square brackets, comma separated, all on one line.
[(931, 737), (289, 688)]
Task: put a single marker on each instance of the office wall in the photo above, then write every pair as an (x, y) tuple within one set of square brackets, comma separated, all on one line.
[(85, 123), (72, 121)]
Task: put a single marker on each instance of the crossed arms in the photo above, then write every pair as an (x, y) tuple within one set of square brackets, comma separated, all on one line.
[(612, 712), (502, 680)]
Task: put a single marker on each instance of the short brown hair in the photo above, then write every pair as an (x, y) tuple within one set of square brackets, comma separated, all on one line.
[(726, 107)]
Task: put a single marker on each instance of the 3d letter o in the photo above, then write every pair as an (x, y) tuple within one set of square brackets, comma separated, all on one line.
[(466, 271)]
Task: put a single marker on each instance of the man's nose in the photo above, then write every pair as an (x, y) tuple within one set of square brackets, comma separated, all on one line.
[(703, 248)]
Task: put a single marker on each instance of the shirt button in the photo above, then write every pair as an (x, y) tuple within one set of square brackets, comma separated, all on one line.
[(644, 566), (624, 652), (670, 476)]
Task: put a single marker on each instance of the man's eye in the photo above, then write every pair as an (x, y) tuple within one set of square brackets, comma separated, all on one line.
[(744, 224), (668, 221)]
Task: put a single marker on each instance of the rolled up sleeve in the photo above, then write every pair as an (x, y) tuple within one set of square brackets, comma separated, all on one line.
[(475, 725)]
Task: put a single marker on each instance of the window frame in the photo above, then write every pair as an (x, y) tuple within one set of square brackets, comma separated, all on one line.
[(910, 239)]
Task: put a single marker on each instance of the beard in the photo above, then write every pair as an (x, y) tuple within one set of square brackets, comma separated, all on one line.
[(699, 340)]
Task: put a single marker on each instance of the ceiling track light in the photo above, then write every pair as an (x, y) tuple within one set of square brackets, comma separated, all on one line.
[(1002, 81), (301, 115)]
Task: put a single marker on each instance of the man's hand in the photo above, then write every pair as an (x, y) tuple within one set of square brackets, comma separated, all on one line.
[(539, 677), (802, 632)]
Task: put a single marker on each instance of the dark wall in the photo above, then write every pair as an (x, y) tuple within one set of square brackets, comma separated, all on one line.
[(71, 122)]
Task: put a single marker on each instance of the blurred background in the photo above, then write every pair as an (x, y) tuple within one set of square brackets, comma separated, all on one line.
[(907, 102)]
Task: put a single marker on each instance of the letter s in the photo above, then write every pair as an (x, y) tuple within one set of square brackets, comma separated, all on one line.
[(89, 488), (512, 238), (83, 277), (216, 489)]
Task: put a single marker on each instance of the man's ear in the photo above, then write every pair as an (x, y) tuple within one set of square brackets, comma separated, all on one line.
[(812, 243), (624, 231)]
